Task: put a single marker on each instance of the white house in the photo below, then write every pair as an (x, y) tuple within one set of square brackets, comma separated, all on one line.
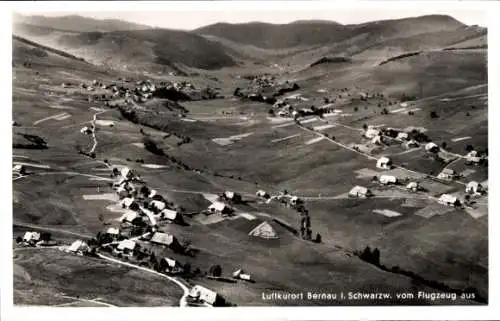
[(431, 147), (402, 136), (126, 173), (388, 179), (360, 191), (129, 216), (126, 202), (31, 237), (411, 144), (412, 186), (474, 188), (384, 163), (158, 206), (232, 196), (218, 207), (203, 294), (86, 130), (447, 174), (263, 194), (18, 168), (126, 245), (113, 231), (168, 214), (79, 246), (377, 140), (371, 132), (152, 193), (447, 199), (294, 200)]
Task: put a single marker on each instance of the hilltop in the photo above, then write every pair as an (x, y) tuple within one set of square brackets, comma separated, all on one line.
[(76, 23)]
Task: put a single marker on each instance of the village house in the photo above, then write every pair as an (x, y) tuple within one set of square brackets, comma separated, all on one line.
[(20, 169), (263, 194), (170, 265), (431, 147), (402, 136), (79, 247), (157, 206), (371, 133), (128, 217), (388, 179), (240, 274), (378, 140), (220, 208), (295, 200), (203, 295), (473, 158), (411, 144), (474, 187), (31, 238), (450, 200), (360, 191), (113, 231), (86, 130), (169, 215), (384, 163), (447, 174), (127, 247), (167, 240), (232, 196), (412, 186)]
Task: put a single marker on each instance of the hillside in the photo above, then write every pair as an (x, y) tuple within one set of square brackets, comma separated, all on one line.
[(77, 23), (145, 49), (317, 33)]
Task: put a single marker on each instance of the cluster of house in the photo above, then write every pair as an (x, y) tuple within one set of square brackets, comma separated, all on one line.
[(222, 205), (474, 158), (35, 239), (383, 136), (142, 204)]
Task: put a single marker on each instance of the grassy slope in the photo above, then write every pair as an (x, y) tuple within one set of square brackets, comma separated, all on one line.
[(41, 276)]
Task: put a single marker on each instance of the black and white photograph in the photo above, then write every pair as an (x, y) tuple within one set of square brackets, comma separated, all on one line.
[(252, 158)]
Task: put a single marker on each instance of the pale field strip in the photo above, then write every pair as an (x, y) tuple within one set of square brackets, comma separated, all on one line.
[(314, 140), (285, 138), (154, 166), (387, 213), (323, 127), (60, 116), (460, 139), (32, 165)]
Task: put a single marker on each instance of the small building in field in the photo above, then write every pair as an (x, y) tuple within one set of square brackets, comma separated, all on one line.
[(168, 214), (371, 133), (384, 163), (114, 231), (165, 239), (86, 130), (474, 188), (127, 202), (170, 265), (263, 194), (431, 147), (447, 174), (402, 136), (129, 216), (157, 206), (295, 200), (411, 144), (220, 208), (79, 247), (388, 179), (240, 274), (232, 196), (18, 168), (360, 191), (126, 246), (203, 295), (31, 237), (412, 186), (450, 200)]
